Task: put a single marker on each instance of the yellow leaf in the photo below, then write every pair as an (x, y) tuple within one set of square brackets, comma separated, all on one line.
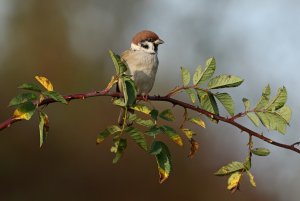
[(163, 175), (25, 111), (233, 181), (251, 177), (142, 108), (198, 121), (177, 139), (114, 79), (189, 133), (45, 82)]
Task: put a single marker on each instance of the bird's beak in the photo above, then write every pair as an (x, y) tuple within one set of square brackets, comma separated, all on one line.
[(159, 41)]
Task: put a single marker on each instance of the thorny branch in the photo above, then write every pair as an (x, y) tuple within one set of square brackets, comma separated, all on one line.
[(7, 123)]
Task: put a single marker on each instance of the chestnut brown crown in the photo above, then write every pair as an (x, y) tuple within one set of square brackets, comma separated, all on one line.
[(144, 35)]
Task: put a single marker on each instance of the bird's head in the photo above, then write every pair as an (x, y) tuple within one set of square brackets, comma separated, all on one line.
[(146, 41)]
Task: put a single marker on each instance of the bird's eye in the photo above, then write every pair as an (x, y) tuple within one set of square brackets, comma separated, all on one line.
[(146, 46)]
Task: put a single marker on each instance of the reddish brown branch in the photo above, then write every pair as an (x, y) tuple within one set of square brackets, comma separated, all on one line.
[(166, 98)]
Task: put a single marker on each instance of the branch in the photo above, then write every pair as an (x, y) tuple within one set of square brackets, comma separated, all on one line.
[(7, 123)]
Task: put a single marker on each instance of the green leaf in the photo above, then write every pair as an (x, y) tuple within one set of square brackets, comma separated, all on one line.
[(24, 111), (163, 158), (43, 127), (224, 81), (129, 91), (185, 75), (260, 151), (285, 112), (167, 115), (265, 97), (108, 131), (23, 98), (169, 131), (208, 102), (253, 118), (55, 96), (147, 123), (208, 71), (119, 102), (198, 121), (119, 65), (263, 119), (246, 104), (230, 168), (141, 108), (273, 121), (31, 87), (251, 178), (153, 131), (279, 100), (226, 101), (156, 147), (247, 163), (192, 95), (154, 114), (197, 75), (137, 137), (118, 148)]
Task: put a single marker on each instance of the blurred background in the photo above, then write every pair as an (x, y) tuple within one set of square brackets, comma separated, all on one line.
[(68, 42)]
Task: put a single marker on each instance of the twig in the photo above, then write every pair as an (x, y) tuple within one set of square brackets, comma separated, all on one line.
[(7, 123)]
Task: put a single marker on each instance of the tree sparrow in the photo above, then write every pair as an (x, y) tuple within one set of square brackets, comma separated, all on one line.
[(142, 62)]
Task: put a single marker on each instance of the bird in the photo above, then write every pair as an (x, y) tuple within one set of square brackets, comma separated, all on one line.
[(142, 63)]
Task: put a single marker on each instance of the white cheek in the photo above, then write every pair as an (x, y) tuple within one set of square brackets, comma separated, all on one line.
[(149, 50)]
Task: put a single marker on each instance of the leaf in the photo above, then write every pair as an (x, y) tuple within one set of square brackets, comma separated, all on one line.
[(167, 115), (147, 123), (156, 147), (247, 163), (185, 75), (192, 95), (224, 81), (279, 100), (141, 108), (208, 102), (153, 131), (197, 75), (260, 151), (31, 87), (137, 137), (234, 181), (253, 118), (55, 96), (43, 127), (230, 168), (246, 104), (285, 112), (45, 82), (264, 100), (208, 71), (119, 147), (169, 131), (23, 98), (154, 114), (119, 102), (198, 121), (226, 101), (189, 133), (163, 159), (251, 177), (194, 148), (119, 65), (24, 111), (108, 131), (273, 121), (129, 91)]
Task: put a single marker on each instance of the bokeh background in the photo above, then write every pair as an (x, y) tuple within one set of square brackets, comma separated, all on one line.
[(68, 42)]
